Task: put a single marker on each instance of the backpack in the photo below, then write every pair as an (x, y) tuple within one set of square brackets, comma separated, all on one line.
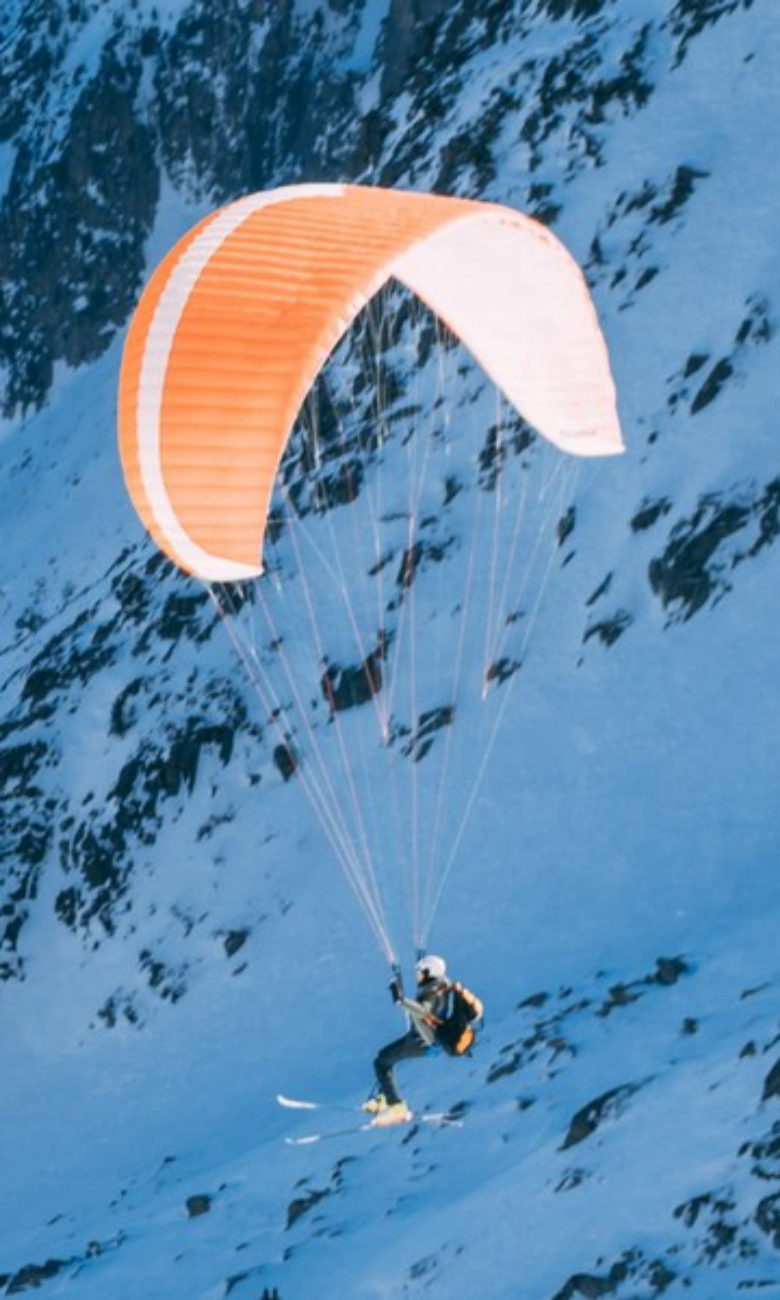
[(457, 1034)]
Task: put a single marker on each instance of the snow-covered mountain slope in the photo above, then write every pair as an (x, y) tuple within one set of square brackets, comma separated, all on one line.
[(177, 944)]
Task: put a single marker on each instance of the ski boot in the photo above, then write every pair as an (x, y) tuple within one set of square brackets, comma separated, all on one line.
[(397, 1113)]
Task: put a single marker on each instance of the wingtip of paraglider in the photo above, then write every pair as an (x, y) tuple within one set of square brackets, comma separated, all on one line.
[(591, 442)]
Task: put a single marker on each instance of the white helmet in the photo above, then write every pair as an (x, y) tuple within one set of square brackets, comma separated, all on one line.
[(430, 968)]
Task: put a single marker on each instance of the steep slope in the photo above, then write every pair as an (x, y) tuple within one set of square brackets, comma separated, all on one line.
[(175, 943)]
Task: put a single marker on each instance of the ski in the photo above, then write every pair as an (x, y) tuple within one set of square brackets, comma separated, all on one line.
[(309, 1138), (295, 1103), (432, 1117)]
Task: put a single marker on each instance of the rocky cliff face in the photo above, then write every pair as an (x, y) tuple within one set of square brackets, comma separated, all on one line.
[(100, 101)]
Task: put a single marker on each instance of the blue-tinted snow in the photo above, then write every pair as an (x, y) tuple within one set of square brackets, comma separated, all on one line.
[(629, 813)]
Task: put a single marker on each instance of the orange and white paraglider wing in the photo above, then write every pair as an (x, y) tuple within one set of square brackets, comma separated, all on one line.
[(238, 320)]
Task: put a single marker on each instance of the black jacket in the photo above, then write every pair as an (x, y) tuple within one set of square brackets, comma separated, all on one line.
[(429, 1009)]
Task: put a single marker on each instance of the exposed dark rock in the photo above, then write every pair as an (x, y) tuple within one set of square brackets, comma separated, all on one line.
[(286, 760), (199, 1204), (468, 156), (349, 688), (579, 10), (718, 1232), (541, 204), (631, 1268), (26, 832), (235, 1280), (98, 846), (168, 983), (511, 438), (18, 766), (649, 273), (688, 573), (766, 514), (609, 630), (502, 669), (511, 1061), (772, 1082), (134, 593), (600, 591), (756, 329), (119, 1004), (30, 1276), (428, 725), (72, 260), (667, 972), (301, 1205), (621, 254), (695, 566), (182, 616), (766, 1153), (234, 941), (757, 326), (620, 995), (577, 77), (716, 380), (535, 1000), (340, 488), (566, 524), (424, 1267), (689, 18), (452, 487), (608, 1106), (74, 655), (679, 192), (547, 1038), (123, 715), (409, 36), (571, 1179), (694, 363), (414, 559), (649, 513), (768, 1218), (154, 772)]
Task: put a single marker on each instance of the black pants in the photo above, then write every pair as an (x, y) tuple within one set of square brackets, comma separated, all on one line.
[(401, 1050)]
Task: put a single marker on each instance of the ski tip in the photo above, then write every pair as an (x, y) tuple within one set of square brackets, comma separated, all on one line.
[(294, 1104)]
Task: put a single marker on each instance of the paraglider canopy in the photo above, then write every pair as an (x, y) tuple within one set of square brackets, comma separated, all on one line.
[(238, 319)]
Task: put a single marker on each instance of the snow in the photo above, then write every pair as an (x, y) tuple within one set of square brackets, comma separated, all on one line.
[(628, 813), (7, 160), (373, 19)]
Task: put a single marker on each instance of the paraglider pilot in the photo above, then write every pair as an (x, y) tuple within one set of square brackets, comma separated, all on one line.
[(441, 1014)]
